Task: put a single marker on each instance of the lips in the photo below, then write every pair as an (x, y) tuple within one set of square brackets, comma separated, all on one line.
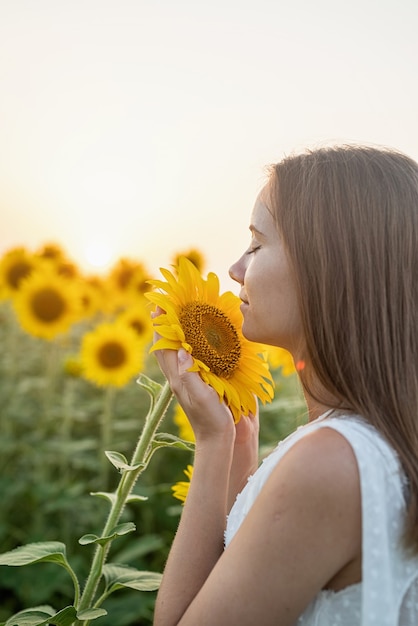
[(243, 299)]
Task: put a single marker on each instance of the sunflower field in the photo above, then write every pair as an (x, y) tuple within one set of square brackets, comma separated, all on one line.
[(94, 466)]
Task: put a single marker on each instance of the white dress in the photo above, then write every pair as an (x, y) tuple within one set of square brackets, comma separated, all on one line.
[(388, 593)]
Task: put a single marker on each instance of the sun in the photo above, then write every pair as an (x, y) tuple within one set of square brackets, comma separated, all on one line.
[(98, 255)]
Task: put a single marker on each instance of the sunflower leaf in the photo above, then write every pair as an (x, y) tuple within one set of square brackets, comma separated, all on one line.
[(121, 462), (119, 576), (117, 531), (91, 614), (149, 385), (48, 551), (167, 440), (39, 615), (111, 497), (133, 497)]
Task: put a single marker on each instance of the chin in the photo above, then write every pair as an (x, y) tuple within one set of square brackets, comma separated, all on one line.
[(251, 336)]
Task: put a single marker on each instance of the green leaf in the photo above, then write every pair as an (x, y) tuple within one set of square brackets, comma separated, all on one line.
[(117, 531), (91, 614), (48, 551), (111, 497), (136, 498), (39, 615), (119, 576), (149, 385), (167, 440), (121, 462)]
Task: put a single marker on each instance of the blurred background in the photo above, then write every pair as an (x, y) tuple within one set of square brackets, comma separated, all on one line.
[(132, 132), (141, 127)]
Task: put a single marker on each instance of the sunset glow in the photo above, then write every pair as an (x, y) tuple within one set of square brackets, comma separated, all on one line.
[(144, 128)]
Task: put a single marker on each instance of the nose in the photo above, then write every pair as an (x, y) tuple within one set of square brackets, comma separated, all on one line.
[(237, 271)]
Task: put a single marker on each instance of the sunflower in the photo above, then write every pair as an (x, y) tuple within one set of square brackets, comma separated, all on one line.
[(181, 488), (194, 255), (46, 304), (72, 366), (125, 285), (51, 251), (279, 357), (111, 354), (182, 422), (137, 317), (208, 325), (16, 265)]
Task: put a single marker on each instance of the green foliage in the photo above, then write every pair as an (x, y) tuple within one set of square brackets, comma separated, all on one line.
[(53, 460)]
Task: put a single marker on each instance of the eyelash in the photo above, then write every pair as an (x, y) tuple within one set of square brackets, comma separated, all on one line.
[(252, 250)]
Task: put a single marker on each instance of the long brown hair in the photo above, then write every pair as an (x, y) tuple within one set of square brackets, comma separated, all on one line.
[(349, 218)]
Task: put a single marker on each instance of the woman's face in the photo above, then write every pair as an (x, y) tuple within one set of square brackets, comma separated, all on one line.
[(269, 302)]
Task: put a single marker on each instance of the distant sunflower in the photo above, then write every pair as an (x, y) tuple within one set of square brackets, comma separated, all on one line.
[(72, 366), (16, 265), (111, 354), (94, 295), (181, 488), (279, 357), (137, 317), (125, 285), (195, 256), (182, 422), (51, 251), (46, 304), (139, 281), (208, 326)]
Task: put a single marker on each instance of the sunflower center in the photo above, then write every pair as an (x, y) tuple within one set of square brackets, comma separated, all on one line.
[(138, 326), (18, 271), (48, 305), (212, 336), (111, 355)]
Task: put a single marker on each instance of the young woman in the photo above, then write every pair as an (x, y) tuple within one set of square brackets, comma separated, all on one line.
[(325, 531)]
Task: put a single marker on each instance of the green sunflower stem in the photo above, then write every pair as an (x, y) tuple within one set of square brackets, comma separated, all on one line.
[(106, 432), (124, 489)]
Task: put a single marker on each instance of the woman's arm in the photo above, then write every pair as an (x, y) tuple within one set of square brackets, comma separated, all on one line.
[(198, 543)]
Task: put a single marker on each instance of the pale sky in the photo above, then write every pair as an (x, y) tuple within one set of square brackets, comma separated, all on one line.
[(141, 128)]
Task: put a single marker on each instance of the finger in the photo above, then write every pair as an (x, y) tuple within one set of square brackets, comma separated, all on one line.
[(185, 360), (154, 314)]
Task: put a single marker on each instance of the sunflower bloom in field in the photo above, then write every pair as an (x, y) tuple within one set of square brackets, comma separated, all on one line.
[(195, 256), (15, 265), (279, 357), (111, 354), (137, 317), (51, 251), (208, 325), (181, 488), (46, 304)]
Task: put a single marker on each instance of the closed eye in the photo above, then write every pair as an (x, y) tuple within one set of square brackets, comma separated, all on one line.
[(254, 249)]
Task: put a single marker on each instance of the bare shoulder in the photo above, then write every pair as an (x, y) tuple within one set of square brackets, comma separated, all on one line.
[(319, 475), (322, 454)]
